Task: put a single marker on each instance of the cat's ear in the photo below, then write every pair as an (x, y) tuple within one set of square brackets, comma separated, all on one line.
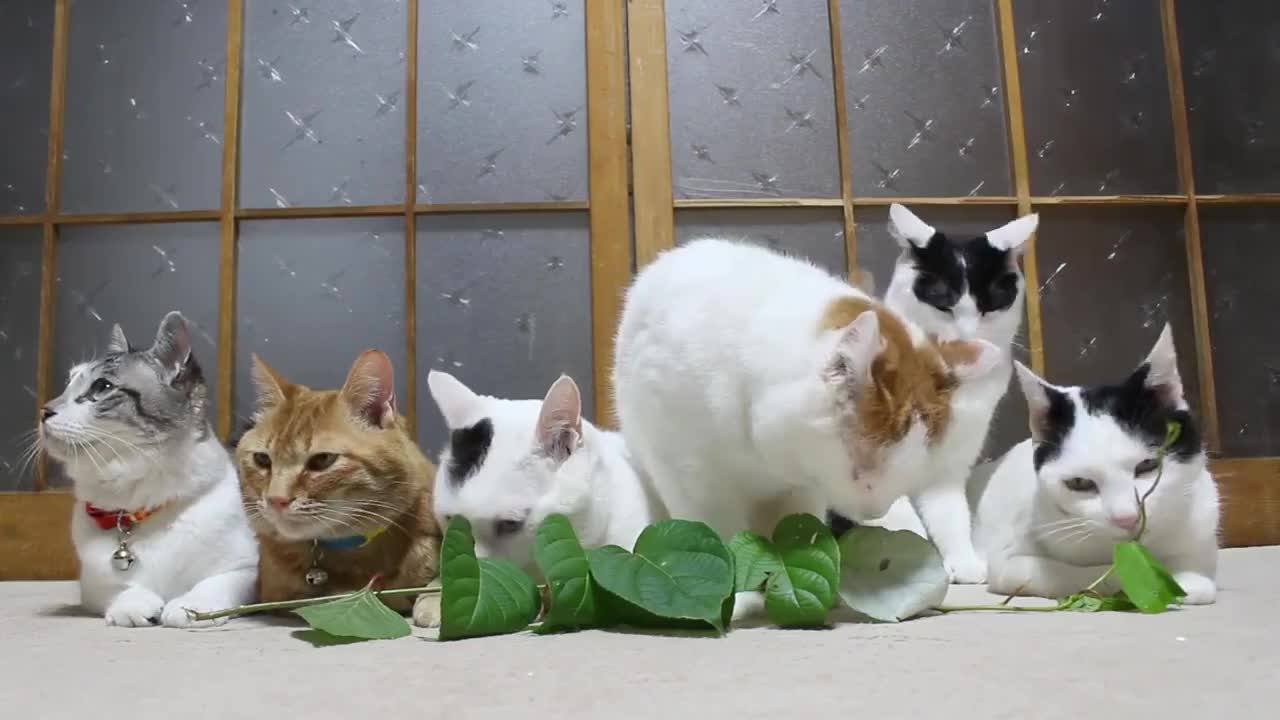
[(118, 342), (1036, 392), (1012, 236), (172, 348), (456, 401), (907, 229), (969, 359), (370, 389), (559, 431), (271, 386), (856, 350), (1162, 370)]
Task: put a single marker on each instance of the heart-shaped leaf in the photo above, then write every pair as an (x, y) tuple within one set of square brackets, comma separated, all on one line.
[(1088, 602), (755, 560), (801, 595), (680, 570), (564, 564), (359, 616), (1144, 580), (489, 596), (890, 575)]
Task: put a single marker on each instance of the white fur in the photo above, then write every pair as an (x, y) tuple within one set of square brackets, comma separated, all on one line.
[(941, 511), (596, 486), (197, 553), (1041, 538), (725, 396)]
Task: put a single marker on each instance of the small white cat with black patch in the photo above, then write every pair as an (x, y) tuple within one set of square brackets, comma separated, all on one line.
[(511, 463), (1058, 502), (158, 523), (958, 289)]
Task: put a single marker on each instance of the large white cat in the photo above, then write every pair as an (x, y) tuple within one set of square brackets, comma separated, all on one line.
[(967, 289), (511, 463), (751, 385), (1059, 502), (158, 524)]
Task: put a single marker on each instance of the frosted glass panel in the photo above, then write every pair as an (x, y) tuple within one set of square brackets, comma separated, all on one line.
[(504, 304), (26, 42), (752, 100), (133, 275), (816, 234), (322, 116), (502, 101), (1240, 258), (19, 333), (144, 106), (924, 96), (1095, 95), (313, 294)]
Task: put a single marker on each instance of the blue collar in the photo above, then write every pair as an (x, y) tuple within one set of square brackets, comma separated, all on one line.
[(351, 542)]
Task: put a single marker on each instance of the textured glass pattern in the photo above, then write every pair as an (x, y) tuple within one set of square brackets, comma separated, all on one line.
[(144, 105), (1230, 59), (26, 40), (19, 333), (924, 96), (816, 234), (311, 295), (1095, 97), (502, 101), (878, 253), (322, 118), (1240, 258), (133, 275), (752, 100), (1109, 280), (504, 304)]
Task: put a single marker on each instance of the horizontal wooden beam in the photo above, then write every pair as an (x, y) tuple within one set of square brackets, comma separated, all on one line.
[(770, 202), (22, 220), (138, 218), (1246, 199), (315, 212), (1109, 200), (501, 207)]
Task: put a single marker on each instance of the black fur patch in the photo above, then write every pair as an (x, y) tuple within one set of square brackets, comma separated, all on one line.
[(233, 442), (467, 449), (839, 524), (1140, 410), (948, 269), (1057, 426)]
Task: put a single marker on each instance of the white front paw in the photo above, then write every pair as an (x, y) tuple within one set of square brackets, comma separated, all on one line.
[(176, 612), (1200, 589), (966, 569), (135, 607), (426, 611)]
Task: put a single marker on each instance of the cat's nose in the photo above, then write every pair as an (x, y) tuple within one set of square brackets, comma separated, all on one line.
[(1125, 522), (279, 503), (46, 413)]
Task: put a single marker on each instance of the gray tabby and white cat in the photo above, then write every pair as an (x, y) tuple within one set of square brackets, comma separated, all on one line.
[(158, 526)]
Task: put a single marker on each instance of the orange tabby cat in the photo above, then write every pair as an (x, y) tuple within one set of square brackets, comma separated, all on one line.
[(336, 490)]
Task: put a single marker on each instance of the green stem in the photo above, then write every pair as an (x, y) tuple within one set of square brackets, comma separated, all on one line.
[(1099, 581), (997, 608), (291, 604)]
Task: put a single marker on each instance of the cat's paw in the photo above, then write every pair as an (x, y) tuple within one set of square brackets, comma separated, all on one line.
[(966, 569), (426, 611), (176, 613), (135, 607), (1200, 589)]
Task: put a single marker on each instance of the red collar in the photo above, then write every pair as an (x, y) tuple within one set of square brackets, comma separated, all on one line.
[(123, 519)]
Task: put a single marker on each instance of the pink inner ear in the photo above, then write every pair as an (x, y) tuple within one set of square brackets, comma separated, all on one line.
[(560, 421), (370, 388)]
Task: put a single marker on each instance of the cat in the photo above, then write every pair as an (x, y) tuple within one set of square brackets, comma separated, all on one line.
[(752, 385), (337, 491), (132, 432), (1058, 502), (509, 464), (967, 289)]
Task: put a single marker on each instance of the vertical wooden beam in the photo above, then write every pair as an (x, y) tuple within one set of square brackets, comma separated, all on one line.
[(1021, 176), (1195, 258), (842, 136), (650, 129), (227, 241), (410, 406), (49, 236), (607, 160)]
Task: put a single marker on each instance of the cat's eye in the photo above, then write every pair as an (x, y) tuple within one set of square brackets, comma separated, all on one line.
[(262, 460), (321, 461), (1146, 467), (505, 527), (1078, 484), (100, 386)]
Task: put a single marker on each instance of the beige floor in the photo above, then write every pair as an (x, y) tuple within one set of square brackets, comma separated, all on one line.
[(1219, 661)]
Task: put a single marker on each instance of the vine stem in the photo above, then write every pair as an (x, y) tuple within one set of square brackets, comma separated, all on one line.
[(997, 608), (292, 604)]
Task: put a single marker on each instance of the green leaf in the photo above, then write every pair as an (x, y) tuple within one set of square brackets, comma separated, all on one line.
[(890, 575), (1088, 602), (1170, 585), (680, 570), (1140, 579), (801, 595), (360, 616), (489, 596), (564, 564), (755, 560)]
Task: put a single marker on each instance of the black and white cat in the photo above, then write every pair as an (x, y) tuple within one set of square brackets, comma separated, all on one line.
[(1058, 502)]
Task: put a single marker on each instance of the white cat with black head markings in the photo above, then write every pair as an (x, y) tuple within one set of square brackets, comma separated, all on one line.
[(158, 525), (511, 463), (1058, 502), (958, 288)]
